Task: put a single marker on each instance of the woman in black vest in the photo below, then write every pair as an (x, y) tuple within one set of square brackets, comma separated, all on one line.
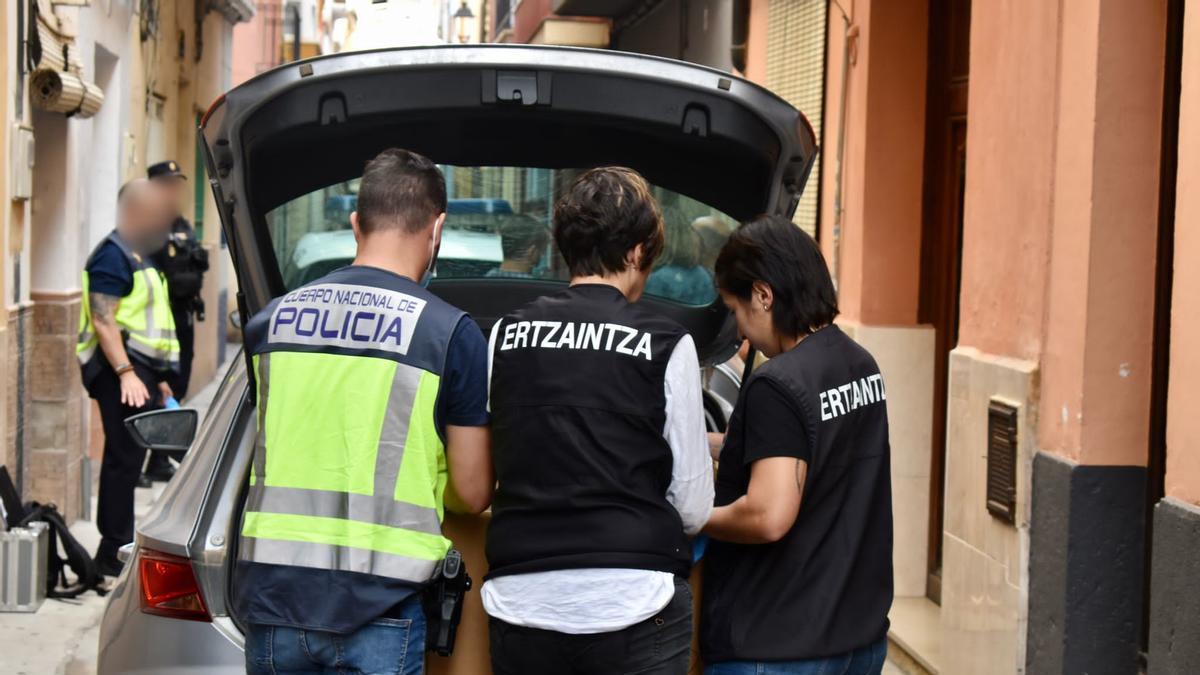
[(600, 452), (798, 578)]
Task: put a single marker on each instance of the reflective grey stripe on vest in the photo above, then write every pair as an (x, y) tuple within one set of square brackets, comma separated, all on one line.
[(152, 329), (380, 510), (151, 353), (260, 439), (330, 557), (395, 429), (148, 272)]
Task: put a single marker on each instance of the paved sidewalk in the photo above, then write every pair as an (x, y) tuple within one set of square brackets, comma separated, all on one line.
[(62, 637)]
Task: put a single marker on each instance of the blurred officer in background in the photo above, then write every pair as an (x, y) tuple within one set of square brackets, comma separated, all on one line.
[(127, 350), (183, 261)]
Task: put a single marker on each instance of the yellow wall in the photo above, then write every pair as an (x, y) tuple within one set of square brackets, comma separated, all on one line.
[(188, 88)]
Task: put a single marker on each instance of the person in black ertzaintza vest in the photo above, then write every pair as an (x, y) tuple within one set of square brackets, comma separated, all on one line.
[(600, 453), (184, 261), (798, 577)]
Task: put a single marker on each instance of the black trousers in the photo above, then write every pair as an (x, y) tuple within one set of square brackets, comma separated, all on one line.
[(660, 645), (185, 331), (122, 461)]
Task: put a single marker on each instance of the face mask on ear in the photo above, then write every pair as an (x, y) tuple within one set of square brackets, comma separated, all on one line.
[(435, 246)]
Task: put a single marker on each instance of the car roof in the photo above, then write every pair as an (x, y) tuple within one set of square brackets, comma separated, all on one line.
[(318, 247)]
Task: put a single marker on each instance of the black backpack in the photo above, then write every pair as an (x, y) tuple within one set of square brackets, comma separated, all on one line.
[(87, 574)]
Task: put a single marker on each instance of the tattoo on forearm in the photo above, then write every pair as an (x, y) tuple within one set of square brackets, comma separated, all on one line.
[(102, 306)]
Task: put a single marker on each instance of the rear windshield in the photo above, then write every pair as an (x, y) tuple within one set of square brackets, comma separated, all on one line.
[(498, 226)]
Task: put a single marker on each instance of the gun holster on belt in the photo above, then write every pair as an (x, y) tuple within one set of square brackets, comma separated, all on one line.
[(443, 603)]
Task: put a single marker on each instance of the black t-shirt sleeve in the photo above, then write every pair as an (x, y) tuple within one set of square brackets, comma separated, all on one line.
[(109, 272), (774, 427), (463, 400)]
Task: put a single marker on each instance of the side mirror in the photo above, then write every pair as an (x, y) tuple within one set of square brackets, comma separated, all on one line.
[(171, 431), (235, 319)]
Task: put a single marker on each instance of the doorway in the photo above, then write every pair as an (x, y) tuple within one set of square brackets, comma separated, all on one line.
[(941, 235), (1163, 287)]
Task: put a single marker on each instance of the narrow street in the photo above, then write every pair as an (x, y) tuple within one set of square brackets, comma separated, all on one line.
[(989, 205), (62, 637)]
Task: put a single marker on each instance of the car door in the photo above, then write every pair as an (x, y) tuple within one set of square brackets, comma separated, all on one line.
[(510, 126)]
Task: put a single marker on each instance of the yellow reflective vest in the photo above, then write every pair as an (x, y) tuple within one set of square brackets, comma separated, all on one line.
[(144, 316), (349, 467)]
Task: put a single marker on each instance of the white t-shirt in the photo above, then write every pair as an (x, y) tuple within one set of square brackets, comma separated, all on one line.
[(602, 600)]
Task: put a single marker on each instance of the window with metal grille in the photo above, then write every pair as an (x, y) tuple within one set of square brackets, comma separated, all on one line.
[(796, 71), (1002, 461)]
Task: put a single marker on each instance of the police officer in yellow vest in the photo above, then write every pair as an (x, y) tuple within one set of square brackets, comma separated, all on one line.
[(372, 415), (127, 349)]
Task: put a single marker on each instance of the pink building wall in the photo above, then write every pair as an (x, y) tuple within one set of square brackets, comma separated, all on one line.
[(256, 44)]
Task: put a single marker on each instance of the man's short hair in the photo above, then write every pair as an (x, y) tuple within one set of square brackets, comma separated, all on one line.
[(520, 234), (400, 189), (603, 215), (775, 251)]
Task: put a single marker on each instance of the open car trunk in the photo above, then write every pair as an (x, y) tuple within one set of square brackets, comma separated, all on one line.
[(713, 145), (702, 134)]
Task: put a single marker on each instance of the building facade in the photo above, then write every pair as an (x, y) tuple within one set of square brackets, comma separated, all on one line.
[(156, 66), (1007, 203)]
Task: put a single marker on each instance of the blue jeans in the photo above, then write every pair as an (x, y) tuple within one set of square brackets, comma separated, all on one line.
[(864, 661), (395, 646)]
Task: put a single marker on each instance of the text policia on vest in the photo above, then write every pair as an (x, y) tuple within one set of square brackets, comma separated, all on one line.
[(343, 315), (609, 337), (853, 395)]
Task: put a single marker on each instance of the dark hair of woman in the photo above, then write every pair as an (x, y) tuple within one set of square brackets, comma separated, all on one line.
[(606, 213), (774, 251)]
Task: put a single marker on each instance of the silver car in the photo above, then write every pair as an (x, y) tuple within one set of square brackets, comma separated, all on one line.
[(509, 125)]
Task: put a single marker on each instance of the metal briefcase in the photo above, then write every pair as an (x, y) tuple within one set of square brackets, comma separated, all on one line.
[(23, 555)]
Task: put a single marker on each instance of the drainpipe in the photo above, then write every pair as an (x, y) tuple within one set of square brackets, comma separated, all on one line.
[(22, 383), (851, 33), (294, 9)]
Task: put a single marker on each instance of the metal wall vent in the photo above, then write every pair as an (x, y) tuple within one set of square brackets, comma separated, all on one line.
[(1002, 461)]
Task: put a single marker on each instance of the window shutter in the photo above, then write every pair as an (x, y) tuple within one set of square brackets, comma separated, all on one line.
[(796, 72)]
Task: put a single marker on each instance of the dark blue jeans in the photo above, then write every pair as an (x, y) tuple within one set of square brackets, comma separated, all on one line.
[(864, 661), (391, 646)]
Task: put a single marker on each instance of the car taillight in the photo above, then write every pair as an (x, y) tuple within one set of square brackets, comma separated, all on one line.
[(169, 587)]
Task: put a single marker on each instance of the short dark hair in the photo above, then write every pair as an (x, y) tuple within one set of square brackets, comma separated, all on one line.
[(400, 188), (602, 216), (776, 252), (520, 233)]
